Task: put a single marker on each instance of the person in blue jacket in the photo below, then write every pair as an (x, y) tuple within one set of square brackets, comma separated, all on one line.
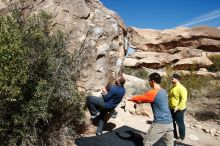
[(99, 106)]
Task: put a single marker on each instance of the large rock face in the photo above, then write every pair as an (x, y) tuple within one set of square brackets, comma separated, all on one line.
[(97, 33), (181, 48)]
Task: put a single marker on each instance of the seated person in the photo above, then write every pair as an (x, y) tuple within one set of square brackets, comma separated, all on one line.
[(99, 106)]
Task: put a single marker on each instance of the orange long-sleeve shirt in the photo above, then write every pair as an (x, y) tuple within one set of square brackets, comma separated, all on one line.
[(147, 97)]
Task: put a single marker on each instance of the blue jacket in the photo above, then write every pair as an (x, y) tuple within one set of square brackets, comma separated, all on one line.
[(114, 96)]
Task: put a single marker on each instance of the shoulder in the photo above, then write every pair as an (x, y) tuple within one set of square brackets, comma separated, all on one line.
[(152, 92), (116, 88), (181, 87), (173, 88), (162, 92)]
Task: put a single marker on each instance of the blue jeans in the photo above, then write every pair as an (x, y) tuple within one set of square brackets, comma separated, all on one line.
[(95, 105)]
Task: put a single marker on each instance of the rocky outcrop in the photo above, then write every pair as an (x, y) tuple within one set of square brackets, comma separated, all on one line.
[(97, 35), (181, 47), (136, 86)]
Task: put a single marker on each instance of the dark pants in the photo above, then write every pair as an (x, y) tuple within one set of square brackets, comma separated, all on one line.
[(102, 121), (95, 105), (178, 119)]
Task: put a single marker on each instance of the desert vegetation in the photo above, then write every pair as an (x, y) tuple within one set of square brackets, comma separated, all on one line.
[(216, 63), (38, 96), (137, 72), (196, 85)]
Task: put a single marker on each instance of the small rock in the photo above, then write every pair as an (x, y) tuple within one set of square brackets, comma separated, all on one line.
[(193, 138), (203, 69), (212, 131), (205, 130), (216, 134), (198, 126)]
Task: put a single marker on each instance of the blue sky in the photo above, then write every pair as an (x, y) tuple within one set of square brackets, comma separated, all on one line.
[(166, 14)]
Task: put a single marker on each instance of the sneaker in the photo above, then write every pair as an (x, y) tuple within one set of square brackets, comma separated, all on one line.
[(114, 114), (96, 115), (98, 133), (180, 140), (176, 137)]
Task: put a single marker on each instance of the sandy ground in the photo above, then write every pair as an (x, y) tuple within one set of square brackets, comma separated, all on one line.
[(202, 123)]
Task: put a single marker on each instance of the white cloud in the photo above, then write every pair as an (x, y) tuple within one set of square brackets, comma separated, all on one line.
[(213, 15)]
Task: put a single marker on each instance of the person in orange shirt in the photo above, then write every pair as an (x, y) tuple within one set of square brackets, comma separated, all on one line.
[(162, 125)]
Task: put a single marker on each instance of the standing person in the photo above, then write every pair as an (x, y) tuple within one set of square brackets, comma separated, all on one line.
[(99, 106), (177, 104), (162, 125)]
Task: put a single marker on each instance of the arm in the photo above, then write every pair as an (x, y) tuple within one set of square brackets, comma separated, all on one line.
[(183, 98), (147, 97), (104, 91), (108, 94)]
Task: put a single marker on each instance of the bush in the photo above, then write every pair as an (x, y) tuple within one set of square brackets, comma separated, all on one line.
[(195, 85), (137, 72), (216, 63), (166, 80), (139, 90), (37, 91)]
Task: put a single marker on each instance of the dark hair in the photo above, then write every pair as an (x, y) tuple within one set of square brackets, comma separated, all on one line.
[(176, 76), (155, 77), (121, 81)]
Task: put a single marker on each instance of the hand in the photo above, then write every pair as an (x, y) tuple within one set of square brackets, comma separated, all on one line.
[(128, 99), (104, 91), (176, 109)]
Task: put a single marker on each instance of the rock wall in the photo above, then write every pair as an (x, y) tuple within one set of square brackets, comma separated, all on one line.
[(96, 32), (181, 47)]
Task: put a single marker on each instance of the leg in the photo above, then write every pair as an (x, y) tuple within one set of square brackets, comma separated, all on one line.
[(113, 114), (180, 123), (101, 123), (168, 137), (154, 133), (174, 124), (94, 104)]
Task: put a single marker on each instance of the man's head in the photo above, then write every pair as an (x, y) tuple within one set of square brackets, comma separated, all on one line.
[(175, 78), (154, 78), (120, 81)]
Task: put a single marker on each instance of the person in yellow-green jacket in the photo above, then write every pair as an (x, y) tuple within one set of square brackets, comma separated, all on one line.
[(177, 104)]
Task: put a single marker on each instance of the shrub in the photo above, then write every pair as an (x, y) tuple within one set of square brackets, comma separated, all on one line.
[(139, 90), (138, 72), (195, 85), (37, 90), (216, 63), (166, 80)]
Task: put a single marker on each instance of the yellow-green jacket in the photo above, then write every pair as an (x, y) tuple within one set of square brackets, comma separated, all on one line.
[(178, 97)]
